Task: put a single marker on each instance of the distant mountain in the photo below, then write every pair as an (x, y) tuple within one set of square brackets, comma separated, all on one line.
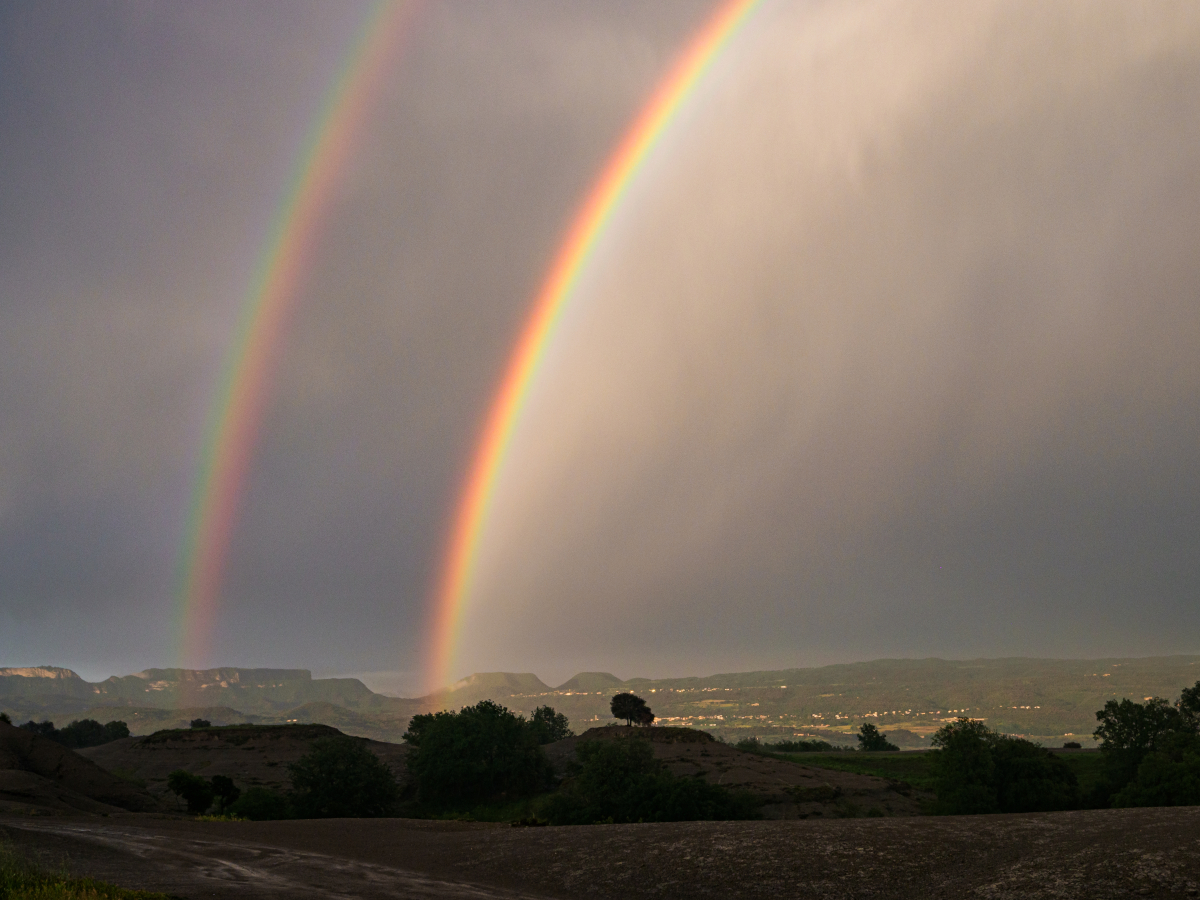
[(262, 692), (590, 682), (1047, 699)]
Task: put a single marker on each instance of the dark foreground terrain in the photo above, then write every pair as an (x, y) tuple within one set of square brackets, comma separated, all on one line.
[(1090, 855)]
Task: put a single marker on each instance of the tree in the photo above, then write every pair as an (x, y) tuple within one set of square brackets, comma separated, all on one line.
[(1167, 776), (200, 723), (341, 778), (225, 791), (977, 770), (482, 752), (1130, 733), (195, 791), (631, 708), (871, 738), (549, 726)]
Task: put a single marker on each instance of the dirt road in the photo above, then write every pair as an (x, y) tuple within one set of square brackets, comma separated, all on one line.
[(1089, 855)]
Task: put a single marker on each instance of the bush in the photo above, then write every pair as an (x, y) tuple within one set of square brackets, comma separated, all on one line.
[(621, 781), (480, 753), (194, 790), (341, 778), (262, 804), (977, 770), (872, 739), (200, 723)]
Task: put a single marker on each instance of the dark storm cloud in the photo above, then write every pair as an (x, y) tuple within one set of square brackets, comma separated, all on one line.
[(144, 149), (894, 351)]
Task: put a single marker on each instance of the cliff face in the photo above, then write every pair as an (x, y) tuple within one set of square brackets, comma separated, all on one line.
[(36, 692)]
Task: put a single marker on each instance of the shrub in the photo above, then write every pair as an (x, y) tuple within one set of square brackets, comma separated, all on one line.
[(480, 753), (200, 723), (261, 804), (194, 790), (621, 781), (341, 777)]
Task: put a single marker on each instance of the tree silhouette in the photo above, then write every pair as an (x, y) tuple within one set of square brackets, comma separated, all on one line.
[(631, 708), (871, 738)]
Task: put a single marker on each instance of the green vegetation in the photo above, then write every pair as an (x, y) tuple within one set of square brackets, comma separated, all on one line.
[(631, 708), (977, 770), (200, 723), (341, 778), (259, 804), (79, 734), (21, 880), (338, 778), (913, 769), (1151, 751), (483, 752), (621, 781), (872, 740), (549, 726), (195, 791)]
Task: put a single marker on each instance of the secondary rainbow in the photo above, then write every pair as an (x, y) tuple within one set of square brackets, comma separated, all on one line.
[(245, 379), (470, 519)]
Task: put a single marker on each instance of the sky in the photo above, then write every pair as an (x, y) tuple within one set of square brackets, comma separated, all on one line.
[(892, 348)]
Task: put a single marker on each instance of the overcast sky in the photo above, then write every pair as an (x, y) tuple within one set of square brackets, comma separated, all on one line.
[(893, 348)]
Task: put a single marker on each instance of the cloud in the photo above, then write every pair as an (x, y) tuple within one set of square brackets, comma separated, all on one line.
[(891, 351)]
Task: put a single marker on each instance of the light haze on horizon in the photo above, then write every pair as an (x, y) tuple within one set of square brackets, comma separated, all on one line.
[(892, 350)]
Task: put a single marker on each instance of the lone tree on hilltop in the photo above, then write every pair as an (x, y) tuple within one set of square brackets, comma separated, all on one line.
[(200, 723), (871, 738), (631, 708)]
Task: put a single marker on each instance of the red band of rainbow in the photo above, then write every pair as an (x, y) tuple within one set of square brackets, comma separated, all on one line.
[(471, 515)]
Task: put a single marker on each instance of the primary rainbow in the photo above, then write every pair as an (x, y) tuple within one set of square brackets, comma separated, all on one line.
[(243, 386), (622, 167)]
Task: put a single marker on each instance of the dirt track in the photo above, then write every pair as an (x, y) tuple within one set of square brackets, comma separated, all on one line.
[(1093, 855)]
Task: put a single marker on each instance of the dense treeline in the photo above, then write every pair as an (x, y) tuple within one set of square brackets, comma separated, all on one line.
[(1150, 750), (81, 733)]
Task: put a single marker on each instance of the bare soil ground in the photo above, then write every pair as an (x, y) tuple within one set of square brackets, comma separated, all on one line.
[(1090, 855), (254, 756)]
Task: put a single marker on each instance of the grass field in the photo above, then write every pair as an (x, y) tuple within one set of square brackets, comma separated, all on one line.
[(20, 880)]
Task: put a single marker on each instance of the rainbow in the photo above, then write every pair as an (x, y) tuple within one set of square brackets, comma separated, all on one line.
[(471, 515), (245, 379)]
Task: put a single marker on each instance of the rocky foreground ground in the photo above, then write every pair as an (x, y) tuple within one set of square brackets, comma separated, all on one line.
[(1089, 855)]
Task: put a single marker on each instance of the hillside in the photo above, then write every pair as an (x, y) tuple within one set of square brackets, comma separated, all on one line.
[(254, 756), (1048, 700)]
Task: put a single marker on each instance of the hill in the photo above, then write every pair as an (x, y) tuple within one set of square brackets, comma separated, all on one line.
[(38, 775), (252, 755), (1044, 699)]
